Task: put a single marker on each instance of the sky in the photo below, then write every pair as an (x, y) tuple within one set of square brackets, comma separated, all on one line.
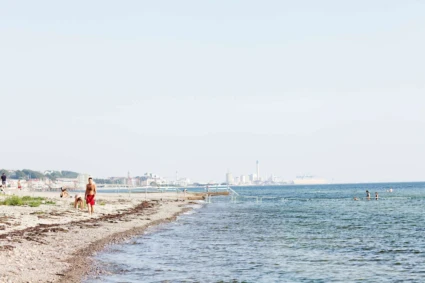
[(330, 88)]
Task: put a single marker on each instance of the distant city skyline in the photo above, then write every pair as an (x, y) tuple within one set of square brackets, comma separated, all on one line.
[(330, 88)]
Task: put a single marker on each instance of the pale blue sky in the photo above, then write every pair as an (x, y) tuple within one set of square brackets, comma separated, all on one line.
[(331, 88)]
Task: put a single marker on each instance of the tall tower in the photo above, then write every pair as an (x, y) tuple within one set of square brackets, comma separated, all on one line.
[(258, 171)]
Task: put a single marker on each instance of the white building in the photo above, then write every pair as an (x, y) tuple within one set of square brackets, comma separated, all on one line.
[(229, 179), (182, 182), (309, 180), (67, 183), (148, 179), (253, 178), (82, 181), (243, 179)]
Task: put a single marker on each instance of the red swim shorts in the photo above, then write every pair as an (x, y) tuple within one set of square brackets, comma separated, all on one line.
[(90, 199)]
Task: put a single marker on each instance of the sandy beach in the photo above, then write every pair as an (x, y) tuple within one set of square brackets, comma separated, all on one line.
[(54, 242)]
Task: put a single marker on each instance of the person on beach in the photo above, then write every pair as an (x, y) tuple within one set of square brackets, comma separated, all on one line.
[(90, 195), (3, 180), (376, 195), (367, 195), (19, 184), (78, 202)]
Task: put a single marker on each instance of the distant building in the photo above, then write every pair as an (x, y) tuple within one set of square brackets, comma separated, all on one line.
[(182, 182), (309, 180), (243, 179), (229, 179), (67, 183), (118, 180), (150, 179), (253, 178), (133, 182), (258, 171), (82, 180)]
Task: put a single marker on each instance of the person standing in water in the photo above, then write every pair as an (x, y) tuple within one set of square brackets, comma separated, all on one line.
[(376, 195), (90, 195), (367, 195)]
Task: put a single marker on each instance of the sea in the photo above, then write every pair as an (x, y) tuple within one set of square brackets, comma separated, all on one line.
[(315, 233)]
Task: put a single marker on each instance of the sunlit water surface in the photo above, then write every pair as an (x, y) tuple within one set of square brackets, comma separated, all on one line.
[(298, 234)]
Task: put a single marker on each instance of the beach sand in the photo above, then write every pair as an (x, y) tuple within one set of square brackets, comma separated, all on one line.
[(54, 242)]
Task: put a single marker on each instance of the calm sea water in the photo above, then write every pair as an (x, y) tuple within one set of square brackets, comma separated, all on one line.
[(298, 234)]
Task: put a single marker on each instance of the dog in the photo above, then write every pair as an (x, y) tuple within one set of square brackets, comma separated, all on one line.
[(64, 193)]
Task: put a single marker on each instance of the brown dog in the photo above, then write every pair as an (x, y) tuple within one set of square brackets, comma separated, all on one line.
[(64, 193)]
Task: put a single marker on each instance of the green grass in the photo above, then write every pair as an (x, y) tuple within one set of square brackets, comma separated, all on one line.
[(34, 203), (28, 198), (13, 201), (25, 200)]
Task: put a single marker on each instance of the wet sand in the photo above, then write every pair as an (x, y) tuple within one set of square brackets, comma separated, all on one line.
[(55, 242)]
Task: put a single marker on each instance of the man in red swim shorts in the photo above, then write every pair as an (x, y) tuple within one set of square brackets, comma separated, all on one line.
[(90, 195)]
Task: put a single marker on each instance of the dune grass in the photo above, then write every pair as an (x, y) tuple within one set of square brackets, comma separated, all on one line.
[(25, 201)]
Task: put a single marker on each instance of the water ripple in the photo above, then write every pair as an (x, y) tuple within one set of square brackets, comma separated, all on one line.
[(303, 234)]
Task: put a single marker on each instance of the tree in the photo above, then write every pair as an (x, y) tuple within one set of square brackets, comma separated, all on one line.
[(33, 174), (69, 174)]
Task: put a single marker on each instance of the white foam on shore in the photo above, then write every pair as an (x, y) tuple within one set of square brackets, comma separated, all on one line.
[(194, 207)]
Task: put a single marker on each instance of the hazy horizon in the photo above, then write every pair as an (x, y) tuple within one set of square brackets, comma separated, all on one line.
[(333, 89)]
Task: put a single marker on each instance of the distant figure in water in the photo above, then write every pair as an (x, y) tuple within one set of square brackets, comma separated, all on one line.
[(356, 198), (391, 190), (376, 195), (367, 195)]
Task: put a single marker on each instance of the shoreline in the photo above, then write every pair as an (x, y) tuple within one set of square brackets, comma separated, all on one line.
[(64, 240), (81, 264)]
